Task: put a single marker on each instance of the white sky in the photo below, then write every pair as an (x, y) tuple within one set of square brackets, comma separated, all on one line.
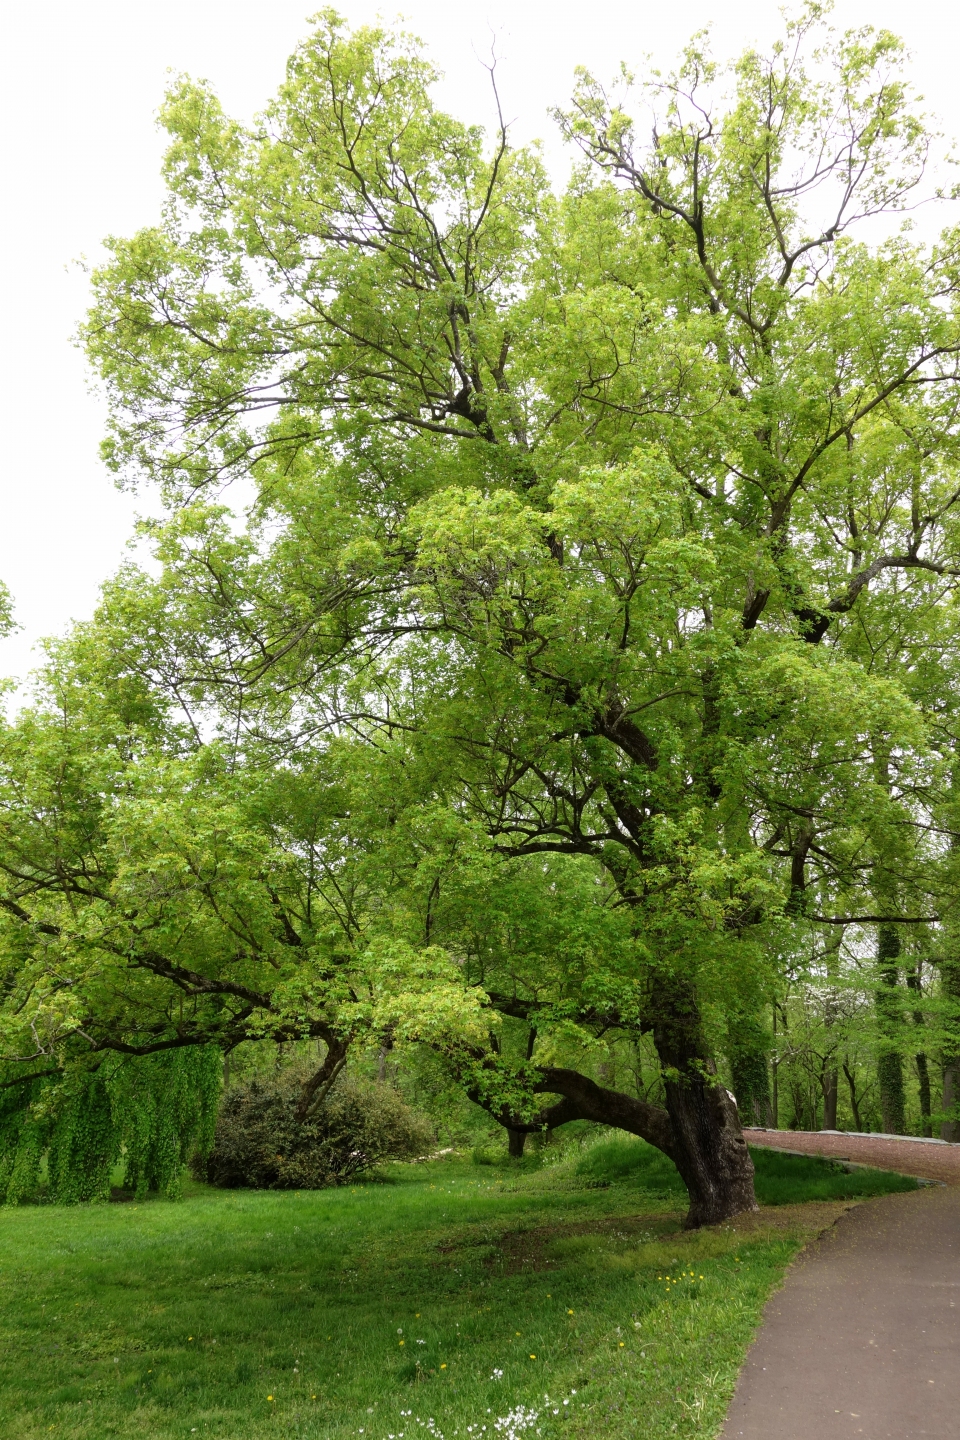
[(80, 82)]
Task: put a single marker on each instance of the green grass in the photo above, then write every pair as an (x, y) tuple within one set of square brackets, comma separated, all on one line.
[(780, 1179), (166, 1320), (789, 1179)]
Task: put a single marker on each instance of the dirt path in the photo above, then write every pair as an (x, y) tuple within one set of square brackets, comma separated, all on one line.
[(864, 1337), (926, 1158)]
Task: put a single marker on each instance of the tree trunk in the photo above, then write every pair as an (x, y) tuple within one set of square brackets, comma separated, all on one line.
[(699, 1130), (830, 1078), (890, 1018), (318, 1086), (852, 1086), (775, 1068), (923, 1082), (516, 1139), (949, 1128), (950, 994), (748, 1048), (707, 1140), (915, 984)]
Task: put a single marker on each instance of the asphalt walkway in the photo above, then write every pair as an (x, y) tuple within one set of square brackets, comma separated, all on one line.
[(864, 1337)]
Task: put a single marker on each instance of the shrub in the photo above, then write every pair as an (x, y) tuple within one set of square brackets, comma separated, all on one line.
[(260, 1143)]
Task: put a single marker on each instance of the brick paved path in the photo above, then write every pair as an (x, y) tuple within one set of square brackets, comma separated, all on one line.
[(930, 1160)]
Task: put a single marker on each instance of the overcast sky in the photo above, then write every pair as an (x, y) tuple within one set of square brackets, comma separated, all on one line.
[(80, 83)]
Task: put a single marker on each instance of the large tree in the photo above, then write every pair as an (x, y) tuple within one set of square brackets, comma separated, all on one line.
[(562, 511)]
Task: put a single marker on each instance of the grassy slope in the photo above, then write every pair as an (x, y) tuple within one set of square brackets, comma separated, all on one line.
[(164, 1320)]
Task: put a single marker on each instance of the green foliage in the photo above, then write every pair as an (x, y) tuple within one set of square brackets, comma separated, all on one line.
[(261, 1142), (148, 1113), (619, 1159), (790, 1179)]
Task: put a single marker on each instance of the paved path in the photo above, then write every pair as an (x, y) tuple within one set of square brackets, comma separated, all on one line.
[(911, 1157), (864, 1337)]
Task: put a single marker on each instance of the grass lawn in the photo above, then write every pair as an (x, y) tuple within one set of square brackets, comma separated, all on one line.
[(450, 1302)]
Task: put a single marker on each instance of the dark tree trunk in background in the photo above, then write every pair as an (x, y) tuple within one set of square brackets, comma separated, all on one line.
[(516, 1139), (950, 1129), (830, 1078), (748, 1047), (831, 1087), (890, 1021), (950, 995), (915, 984), (318, 1086), (923, 1082), (775, 1068), (854, 1104)]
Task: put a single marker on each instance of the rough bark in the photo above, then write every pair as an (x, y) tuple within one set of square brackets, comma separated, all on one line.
[(708, 1145), (831, 1088)]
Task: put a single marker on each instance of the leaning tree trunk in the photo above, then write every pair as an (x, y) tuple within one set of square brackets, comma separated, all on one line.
[(699, 1129)]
